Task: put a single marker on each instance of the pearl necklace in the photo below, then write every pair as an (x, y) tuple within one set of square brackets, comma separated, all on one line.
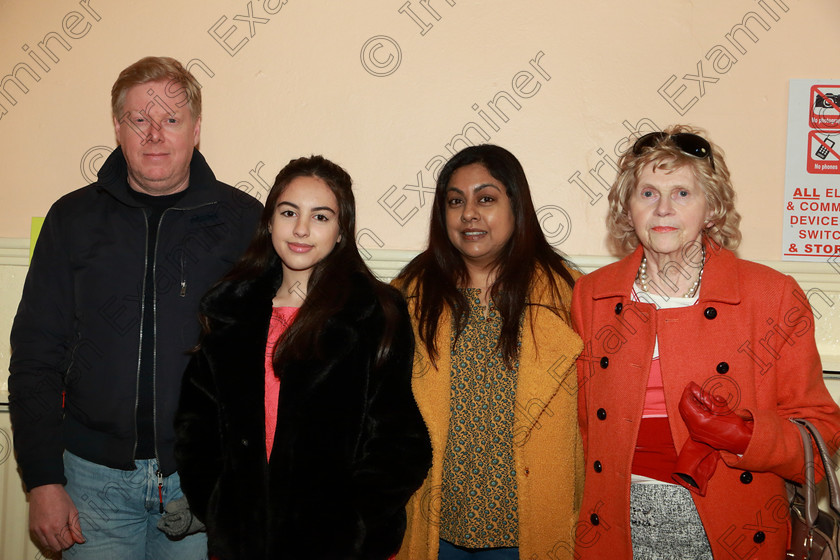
[(641, 276)]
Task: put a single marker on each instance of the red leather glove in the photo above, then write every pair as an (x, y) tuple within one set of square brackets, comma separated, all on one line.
[(695, 466), (709, 421)]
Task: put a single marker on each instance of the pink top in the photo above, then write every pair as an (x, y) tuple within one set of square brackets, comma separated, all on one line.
[(655, 394), (656, 456), (281, 318)]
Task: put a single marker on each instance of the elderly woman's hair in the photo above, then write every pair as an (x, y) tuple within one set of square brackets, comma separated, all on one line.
[(666, 156)]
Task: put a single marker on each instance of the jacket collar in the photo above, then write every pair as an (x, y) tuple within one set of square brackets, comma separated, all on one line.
[(230, 302), (249, 301), (720, 276), (113, 178), (540, 292), (549, 345)]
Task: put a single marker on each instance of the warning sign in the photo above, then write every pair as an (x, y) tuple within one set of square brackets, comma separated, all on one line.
[(811, 230), (825, 107), (823, 151)]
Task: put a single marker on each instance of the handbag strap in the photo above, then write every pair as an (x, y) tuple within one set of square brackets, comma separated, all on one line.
[(808, 433), (808, 488)]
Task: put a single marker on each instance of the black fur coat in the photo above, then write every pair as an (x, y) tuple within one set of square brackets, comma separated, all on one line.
[(350, 447)]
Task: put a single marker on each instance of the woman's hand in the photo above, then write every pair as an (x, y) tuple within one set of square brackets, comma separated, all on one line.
[(710, 421)]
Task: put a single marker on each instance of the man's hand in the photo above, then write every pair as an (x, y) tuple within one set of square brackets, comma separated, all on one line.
[(53, 518)]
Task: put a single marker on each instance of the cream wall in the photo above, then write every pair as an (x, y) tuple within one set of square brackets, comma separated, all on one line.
[(298, 85), (386, 87)]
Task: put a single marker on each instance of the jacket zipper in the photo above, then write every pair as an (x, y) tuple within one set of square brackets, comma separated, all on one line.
[(183, 291), (140, 339), (160, 489), (154, 313), (154, 349), (155, 324)]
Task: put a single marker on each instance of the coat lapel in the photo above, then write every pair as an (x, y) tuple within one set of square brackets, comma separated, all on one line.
[(240, 313), (547, 355), (546, 364), (430, 383)]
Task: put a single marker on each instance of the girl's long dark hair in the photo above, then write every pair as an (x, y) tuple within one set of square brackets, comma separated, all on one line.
[(435, 275), (329, 284)]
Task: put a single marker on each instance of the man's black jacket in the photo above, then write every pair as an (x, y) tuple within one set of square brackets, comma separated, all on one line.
[(76, 335)]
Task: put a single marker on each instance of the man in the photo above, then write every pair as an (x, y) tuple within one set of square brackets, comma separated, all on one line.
[(108, 316)]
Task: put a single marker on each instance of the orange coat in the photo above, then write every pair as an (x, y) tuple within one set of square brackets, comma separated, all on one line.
[(547, 448), (750, 338)]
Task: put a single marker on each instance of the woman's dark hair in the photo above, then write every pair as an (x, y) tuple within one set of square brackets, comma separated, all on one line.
[(329, 283), (435, 275)]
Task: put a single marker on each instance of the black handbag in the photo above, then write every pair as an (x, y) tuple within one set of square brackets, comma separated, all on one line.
[(815, 533)]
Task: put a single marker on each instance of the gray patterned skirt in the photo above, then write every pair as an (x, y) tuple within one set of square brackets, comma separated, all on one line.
[(665, 525)]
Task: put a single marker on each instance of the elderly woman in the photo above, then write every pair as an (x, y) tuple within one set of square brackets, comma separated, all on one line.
[(695, 360), (494, 372)]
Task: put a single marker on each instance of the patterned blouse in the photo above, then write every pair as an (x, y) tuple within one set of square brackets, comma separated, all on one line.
[(478, 498)]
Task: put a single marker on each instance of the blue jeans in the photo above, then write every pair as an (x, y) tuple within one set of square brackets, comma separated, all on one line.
[(449, 551), (119, 511)]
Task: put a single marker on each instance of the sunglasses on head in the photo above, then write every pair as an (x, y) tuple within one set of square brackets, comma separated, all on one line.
[(691, 144)]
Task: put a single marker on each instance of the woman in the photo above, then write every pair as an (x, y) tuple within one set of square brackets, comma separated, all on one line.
[(298, 436), (494, 375), (695, 362)]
